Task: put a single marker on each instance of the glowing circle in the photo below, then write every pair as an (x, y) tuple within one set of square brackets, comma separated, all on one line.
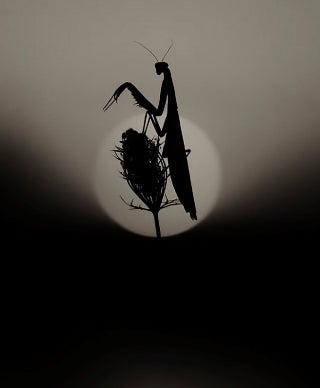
[(205, 175)]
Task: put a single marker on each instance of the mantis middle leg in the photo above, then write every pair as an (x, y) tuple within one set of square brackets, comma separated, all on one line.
[(160, 131)]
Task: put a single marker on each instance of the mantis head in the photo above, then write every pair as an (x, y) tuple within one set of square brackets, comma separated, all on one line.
[(160, 65)]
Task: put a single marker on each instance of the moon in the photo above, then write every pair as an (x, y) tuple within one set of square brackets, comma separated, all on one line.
[(205, 173)]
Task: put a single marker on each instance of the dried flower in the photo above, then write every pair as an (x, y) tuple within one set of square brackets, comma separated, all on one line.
[(146, 172)]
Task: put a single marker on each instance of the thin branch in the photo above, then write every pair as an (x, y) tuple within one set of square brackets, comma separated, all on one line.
[(172, 202), (132, 206)]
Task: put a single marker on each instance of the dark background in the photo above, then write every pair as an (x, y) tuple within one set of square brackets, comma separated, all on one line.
[(77, 288)]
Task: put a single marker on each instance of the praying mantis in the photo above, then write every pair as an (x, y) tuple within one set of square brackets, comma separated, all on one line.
[(174, 147)]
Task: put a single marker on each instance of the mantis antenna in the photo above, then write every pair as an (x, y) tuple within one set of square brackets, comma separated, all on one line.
[(167, 51), (147, 50), (152, 52)]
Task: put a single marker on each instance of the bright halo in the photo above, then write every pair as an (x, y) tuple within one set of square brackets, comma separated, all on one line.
[(205, 176)]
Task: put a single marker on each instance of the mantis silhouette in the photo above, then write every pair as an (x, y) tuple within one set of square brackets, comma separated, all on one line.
[(174, 148)]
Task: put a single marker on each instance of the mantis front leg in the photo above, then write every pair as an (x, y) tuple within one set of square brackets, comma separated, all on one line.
[(143, 102), (140, 99)]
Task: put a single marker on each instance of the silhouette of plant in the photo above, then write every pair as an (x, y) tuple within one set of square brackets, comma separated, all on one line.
[(146, 172)]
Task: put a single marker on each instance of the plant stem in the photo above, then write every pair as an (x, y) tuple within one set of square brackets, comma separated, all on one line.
[(156, 222)]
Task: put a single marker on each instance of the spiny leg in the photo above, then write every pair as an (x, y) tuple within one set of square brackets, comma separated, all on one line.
[(109, 103)]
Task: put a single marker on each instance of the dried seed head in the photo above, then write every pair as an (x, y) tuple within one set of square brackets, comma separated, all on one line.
[(143, 167)]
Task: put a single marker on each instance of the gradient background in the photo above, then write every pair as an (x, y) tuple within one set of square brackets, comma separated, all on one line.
[(244, 280)]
